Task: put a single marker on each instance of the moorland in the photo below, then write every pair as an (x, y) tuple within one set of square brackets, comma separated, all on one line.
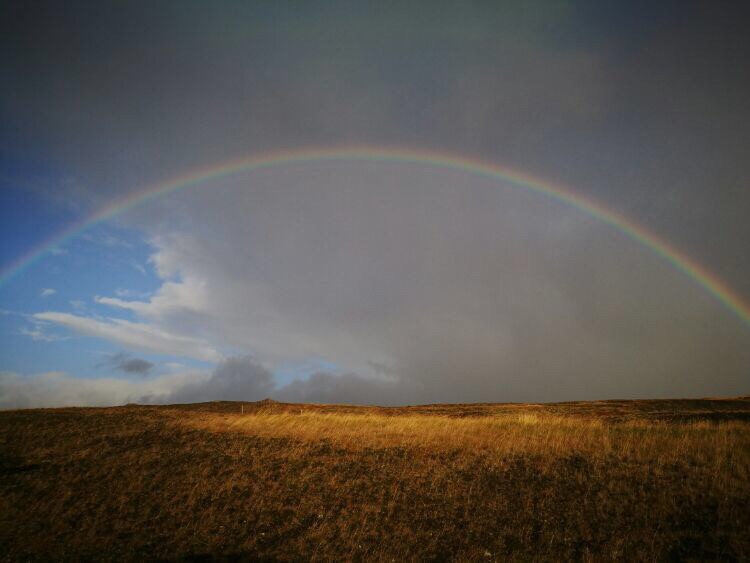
[(636, 480)]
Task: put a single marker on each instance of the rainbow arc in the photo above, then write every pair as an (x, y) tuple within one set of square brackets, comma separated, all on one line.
[(703, 277)]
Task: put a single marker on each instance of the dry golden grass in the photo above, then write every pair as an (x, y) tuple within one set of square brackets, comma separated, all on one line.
[(502, 435), (643, 480)]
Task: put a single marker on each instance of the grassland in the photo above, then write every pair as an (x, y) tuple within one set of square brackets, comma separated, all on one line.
[(638, 480)]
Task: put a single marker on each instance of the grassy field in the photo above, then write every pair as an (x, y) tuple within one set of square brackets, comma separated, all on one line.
[(643, 480)]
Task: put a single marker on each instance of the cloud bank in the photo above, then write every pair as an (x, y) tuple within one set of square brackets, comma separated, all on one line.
[(424, 286), (55, 389), (234, 379)]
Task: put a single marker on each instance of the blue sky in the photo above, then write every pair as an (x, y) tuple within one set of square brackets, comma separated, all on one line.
[(101, 261)]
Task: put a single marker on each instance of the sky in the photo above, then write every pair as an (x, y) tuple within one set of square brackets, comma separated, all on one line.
[(371, 280)]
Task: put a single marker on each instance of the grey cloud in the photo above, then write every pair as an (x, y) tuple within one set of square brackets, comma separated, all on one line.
[(466, 289), (234, 379), (343, 389), (646, 114), (243, 378), (136, 365), (125, 362)]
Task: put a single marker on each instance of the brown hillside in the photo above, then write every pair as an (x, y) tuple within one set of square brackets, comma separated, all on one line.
[(587, 480)]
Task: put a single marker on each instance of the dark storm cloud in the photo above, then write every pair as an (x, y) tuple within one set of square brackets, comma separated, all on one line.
[(343, 389), (642, 105), (126, 363), (234, 379), (245, 379), (460, 295), (437, 287)]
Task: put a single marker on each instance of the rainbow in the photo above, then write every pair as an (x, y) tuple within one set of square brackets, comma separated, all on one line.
[(705, 279)]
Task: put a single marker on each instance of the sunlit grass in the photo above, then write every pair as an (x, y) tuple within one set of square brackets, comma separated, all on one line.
[(699, 442), (582, 481)]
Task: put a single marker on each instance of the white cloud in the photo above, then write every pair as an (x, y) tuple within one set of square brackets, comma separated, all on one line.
[(138, 267), (47, 292), (122, 292), (56, 389), (134, 335), (171, 298), (38, 334)]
